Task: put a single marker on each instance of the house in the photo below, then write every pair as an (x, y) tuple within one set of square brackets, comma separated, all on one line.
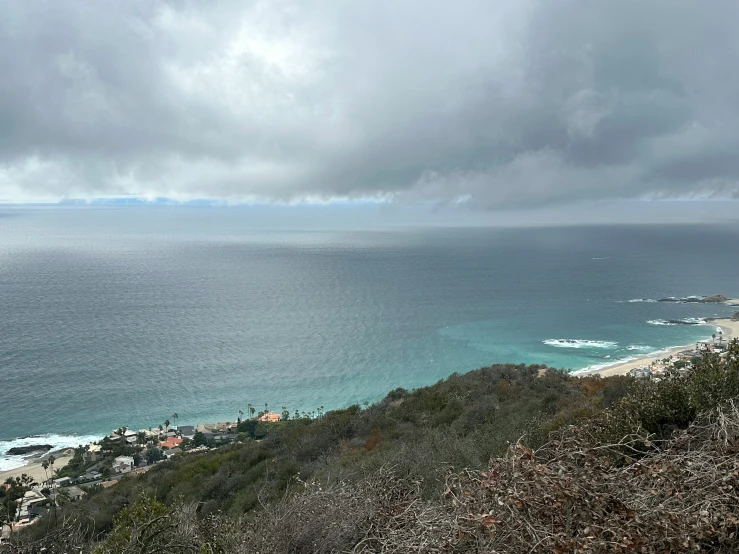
[(205, 427), (172, 452), (641, 372), (270, 417), (30, 499), (186, 431), (221, 437), (123, 464), (75, 493), (128, 435), (171, 442), (62, 482), (225, 426), (93, 452), (89, 476)]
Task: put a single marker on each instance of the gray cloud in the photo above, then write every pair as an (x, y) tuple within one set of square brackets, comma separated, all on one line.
[(493, 104)]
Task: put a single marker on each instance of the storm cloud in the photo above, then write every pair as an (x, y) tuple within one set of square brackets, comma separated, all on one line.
[(497, 104)]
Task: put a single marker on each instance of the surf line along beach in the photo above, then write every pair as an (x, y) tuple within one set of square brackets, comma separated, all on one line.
[(729, 327), (33, 467)]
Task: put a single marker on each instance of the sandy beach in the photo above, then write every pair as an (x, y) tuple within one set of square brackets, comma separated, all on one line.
[(34, 469), (729, 327)]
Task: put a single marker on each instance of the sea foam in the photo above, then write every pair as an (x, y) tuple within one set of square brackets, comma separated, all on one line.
[(684, 321), (57, 442), (579, 343)]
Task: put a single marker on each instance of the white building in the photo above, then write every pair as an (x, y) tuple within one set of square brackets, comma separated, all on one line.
[(123, 464)]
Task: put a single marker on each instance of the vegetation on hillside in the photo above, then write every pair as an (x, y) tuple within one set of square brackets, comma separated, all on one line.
[(578, 464)]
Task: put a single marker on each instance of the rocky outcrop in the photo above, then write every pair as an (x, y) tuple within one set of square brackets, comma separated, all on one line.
[(715, 299), (22, 450), (735, 317)]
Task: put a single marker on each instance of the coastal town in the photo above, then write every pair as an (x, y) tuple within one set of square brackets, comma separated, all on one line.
[(57, 478), (682, 360)]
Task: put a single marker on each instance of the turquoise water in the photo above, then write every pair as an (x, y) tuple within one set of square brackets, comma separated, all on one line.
[(117, 317)]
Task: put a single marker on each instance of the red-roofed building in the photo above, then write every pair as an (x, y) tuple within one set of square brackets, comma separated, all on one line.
[(270, 417), (171, 442)]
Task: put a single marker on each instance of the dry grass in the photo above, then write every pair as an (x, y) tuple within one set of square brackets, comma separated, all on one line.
[(574, 494)]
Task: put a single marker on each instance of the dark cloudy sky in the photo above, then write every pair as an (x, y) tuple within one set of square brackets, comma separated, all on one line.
[(495, 104)]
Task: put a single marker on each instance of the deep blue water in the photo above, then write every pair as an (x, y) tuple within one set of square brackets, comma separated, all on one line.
[(113, 317)]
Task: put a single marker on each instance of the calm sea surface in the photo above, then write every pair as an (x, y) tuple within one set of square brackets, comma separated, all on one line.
[(113, 317)]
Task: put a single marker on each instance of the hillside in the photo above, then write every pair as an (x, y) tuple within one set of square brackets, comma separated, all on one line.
[(577, 463)]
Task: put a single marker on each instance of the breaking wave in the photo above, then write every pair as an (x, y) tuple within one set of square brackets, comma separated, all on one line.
[(609, 363), (686, 321), (56, 442), (578, 343)]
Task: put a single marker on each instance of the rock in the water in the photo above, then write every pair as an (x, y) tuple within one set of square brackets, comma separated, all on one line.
[(715, 299), (21, 450)]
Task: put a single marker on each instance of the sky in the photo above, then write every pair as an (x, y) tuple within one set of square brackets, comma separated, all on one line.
[(470, 107)]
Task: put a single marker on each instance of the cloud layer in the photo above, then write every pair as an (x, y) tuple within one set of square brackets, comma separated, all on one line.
[(495, 104)]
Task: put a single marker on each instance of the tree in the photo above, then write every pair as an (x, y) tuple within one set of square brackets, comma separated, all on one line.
[(251, 410), (121, 432), (139, 528), (174, 418), (241, 414), (198, 439), (153, 454), (166, 425), (12, 503)]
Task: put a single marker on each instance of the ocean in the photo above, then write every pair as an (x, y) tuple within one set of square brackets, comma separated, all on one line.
[(123, 316)]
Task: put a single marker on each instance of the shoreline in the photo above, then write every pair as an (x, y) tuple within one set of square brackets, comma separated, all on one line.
[(730, 327), (730, 330), (33, 466)]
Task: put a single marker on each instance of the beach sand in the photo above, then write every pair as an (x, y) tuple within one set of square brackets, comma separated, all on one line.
[(729, 327), (34, 469)]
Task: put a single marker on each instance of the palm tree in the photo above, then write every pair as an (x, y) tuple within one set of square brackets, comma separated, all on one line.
[(251, 410), (714, 337), (45, 465), (241, 414), (166, 425), (174, 418)]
